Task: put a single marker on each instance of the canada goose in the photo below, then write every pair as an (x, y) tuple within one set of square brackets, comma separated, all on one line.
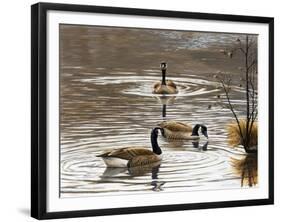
[(134, 156), (234, 137), (165, 86), (178, 130)]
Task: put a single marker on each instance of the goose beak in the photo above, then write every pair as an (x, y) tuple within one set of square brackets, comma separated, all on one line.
[(205, 134)]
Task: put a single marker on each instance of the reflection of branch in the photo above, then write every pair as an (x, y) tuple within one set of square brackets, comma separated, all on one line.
[(247, 169)]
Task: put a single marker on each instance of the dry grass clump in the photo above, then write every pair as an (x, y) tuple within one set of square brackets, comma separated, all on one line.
[(234, 137)]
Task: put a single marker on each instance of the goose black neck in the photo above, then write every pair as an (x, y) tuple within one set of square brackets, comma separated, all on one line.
[(163, 77), (155, 147), (195, 130)]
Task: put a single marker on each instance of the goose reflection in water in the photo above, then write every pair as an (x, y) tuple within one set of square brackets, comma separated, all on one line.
[(157, 185), (247, 169), (165, 101), (112, 172), (181, 145), (197, 145), (154, 170), (138, 171), (145, 169)]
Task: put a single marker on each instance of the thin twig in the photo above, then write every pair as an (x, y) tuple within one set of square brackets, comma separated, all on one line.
[(232, 109)]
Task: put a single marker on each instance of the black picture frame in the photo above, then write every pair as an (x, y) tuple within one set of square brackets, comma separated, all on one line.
[(39, 109)]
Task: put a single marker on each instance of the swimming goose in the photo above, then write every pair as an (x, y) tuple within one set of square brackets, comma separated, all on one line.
[(178, 130), (165, 86), (234, 138), (134, 156)]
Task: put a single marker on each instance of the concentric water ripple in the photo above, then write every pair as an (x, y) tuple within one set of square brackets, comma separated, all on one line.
[(191, 168), (185, 165), (188, 86)]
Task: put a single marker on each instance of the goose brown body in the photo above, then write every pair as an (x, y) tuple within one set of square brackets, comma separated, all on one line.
[(169, 88), (177, 130), (134, 156)]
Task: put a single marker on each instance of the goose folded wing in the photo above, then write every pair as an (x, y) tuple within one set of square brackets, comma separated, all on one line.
[(143, 160), (156, 85), (171, 83), (177, 126), (129, 152)]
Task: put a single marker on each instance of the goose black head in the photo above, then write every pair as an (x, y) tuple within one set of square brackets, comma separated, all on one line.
[(203, 130), (154, 131), (163, 65)]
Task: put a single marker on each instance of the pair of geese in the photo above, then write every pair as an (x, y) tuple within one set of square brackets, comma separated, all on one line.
[(141, 156)]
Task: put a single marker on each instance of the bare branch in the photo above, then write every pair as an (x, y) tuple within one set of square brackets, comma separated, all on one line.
[(226, 90), (254, 62), (249, 52)]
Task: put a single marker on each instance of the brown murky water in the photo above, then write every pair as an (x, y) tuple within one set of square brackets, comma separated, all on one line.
[(106, 78)]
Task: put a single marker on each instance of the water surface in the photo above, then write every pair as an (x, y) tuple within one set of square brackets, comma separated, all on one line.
[(106, 78)]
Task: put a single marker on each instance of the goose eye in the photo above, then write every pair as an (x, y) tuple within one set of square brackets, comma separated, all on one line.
[(163, 65)]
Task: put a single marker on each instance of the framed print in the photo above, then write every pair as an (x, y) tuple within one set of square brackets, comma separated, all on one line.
[(137, 110)]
